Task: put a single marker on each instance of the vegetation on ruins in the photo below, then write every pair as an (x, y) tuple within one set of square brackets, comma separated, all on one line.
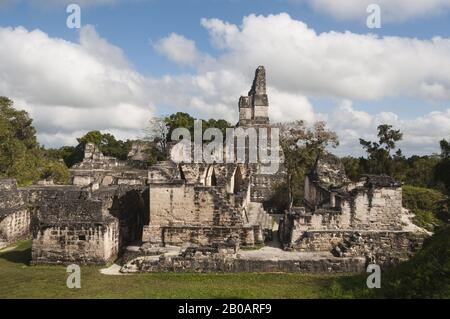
[(301, 145), (426, 178), (425, 275), (159, 132), (428, 206), (106, 142), (21, 156)]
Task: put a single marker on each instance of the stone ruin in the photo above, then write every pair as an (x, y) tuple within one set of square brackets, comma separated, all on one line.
[(351, 219), (209, 217), (97, 169), (14, 215)]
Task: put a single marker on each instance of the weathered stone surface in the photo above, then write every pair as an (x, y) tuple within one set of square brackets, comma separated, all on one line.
[(14, 215), (199, 217), (106, 170), (253, 109), (351, 219), (75, 225)]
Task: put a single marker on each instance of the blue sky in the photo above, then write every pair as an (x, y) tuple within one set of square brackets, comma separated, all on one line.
[(139, 29)]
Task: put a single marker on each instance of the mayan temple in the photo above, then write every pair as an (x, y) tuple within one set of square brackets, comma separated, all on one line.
[(210, 217)]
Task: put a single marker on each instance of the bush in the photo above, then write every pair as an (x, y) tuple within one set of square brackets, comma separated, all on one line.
[(426, 204), (426, 275)]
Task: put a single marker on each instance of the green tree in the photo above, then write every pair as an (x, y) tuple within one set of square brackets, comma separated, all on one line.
[(179, 120), (380, 160), (106, 142), (21, 156), (352, 167), (301, 145), (442, 174)]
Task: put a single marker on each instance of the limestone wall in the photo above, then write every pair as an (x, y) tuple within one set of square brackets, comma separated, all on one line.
[(382, 247), (15, 226), (76, 225), (76, 243), (224, 263), (181, 213), (14, 213)]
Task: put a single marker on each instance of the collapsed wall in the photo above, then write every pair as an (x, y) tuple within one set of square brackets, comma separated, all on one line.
[(75, 225), (14, 215), (98, 169), (351, 219), (199, 205)]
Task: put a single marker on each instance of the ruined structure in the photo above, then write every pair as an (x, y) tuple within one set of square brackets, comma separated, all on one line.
[(14, 215), (254, 108), (351, 219), (97, 169), (205, 217)]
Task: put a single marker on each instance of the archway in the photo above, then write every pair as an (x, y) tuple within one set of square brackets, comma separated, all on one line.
[(237, 185), (210, 179)]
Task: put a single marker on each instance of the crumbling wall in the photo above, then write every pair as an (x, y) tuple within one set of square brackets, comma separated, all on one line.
[(82, 243), (181, 213), (382, 247), (14, 214), (106, 170), (217, 262), (71, 224)]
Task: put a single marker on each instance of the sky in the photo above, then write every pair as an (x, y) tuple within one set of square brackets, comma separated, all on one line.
[(131, 60)]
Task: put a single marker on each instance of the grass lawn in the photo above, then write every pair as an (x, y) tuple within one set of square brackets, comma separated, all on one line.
[(19, 280)]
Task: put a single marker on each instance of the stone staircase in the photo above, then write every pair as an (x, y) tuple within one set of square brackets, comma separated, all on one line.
[(224, 210), (258, 216)]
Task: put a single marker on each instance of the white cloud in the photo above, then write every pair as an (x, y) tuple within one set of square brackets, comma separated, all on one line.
[(71, 86), (392, 10), (178, 49), (345, 65), (420, 135)]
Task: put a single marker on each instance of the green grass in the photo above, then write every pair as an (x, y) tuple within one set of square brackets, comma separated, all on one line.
[(426, 204), (19, 280), (425, 275)]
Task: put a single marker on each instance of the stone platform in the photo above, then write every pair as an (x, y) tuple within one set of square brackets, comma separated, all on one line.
[(267, 259)]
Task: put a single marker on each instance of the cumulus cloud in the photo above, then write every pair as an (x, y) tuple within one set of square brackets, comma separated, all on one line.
[(178, 49), (339, 64), (71, 86), (420, 134), (398, 10)]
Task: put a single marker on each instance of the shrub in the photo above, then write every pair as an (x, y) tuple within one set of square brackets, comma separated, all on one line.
[(425, 203)]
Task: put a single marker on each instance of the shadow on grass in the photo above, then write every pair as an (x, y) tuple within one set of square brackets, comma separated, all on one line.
[(20, 255)]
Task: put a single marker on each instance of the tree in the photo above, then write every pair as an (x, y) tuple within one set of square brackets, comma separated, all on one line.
[(380, 160), (178, 120), (184, 120), (107, 144), (352, 167), (301, 145), (158, 132), (442, 172), (21, 156)]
